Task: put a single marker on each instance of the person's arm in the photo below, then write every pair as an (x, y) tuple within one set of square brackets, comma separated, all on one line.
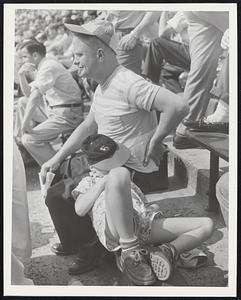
[(35, 99), (167, 32), (84, 203), (86, 128), (128, 41), (24, 85), (172, 110)]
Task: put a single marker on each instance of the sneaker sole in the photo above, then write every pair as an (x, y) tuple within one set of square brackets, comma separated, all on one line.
[(160, 265), (136, 281)]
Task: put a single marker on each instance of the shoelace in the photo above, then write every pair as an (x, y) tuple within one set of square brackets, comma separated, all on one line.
[(138, 255)]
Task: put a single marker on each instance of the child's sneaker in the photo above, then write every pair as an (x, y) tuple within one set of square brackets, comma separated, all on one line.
[(162, 260), (136, 267)]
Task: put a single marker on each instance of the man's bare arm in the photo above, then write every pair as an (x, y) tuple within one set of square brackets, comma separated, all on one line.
[(172, 110)]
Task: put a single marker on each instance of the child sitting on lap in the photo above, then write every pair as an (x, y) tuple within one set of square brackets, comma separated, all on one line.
[(128, 223)]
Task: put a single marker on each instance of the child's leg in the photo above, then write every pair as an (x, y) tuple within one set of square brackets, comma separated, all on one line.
[(119, 212), (176, 236), (183, 233), (119, 208)]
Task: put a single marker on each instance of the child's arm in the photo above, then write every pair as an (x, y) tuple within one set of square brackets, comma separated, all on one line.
[(84, 202)]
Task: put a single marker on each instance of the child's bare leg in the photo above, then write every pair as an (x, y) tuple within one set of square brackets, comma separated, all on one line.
[(119, 207), (176, 236), (183, 233), (119, 212)]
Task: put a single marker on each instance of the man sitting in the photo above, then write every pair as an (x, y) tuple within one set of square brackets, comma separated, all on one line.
[(62, 95)]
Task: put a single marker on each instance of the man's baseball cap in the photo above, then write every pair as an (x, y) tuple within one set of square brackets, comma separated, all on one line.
[(104, 153), (101, 29)]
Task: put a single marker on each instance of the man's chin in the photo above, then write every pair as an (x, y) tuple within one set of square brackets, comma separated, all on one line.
[(81, 74)]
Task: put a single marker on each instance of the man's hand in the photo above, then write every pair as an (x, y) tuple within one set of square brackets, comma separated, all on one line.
[(49, 166), (155, 151), (128, 42), (27, 67)]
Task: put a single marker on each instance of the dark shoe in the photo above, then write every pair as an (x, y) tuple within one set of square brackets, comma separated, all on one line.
[(162, 260), (183, 142), (204, 125), (135, 265), (58, 249), (89, 257)]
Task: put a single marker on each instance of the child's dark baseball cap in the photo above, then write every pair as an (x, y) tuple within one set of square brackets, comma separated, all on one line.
[(104, 153)]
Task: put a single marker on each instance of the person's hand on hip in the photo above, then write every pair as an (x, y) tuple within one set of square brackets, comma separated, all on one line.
[(154, 151)]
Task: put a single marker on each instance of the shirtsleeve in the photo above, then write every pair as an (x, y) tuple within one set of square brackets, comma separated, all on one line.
[(45, 79), (82, 188), (178, 22), (141, 93)]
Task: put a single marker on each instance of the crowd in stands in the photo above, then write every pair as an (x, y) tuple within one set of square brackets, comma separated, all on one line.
[(145, 75)]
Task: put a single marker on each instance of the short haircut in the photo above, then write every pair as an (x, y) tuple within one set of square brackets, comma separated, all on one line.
[(92, 41), (34, 46)]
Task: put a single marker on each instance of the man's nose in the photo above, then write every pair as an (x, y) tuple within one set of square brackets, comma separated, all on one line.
[(76, 61)]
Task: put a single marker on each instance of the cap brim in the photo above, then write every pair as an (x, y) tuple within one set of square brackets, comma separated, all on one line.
[(78, 29), (119, 158)]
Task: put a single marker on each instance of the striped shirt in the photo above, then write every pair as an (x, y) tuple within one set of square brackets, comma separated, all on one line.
[(122, 109)]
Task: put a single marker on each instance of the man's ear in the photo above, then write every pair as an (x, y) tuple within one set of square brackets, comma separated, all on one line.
[(100, 54), (35, 55)]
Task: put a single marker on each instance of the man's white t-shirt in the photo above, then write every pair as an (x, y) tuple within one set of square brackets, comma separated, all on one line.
[(122, 109)]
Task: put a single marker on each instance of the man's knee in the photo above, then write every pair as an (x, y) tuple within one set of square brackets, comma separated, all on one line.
[(118, 178), (22, 102), (26, 139)]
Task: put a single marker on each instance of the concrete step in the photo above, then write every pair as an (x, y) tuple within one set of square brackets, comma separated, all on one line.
[(191, 167)]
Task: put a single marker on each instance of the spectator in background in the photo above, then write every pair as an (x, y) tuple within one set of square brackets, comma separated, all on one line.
[(89, 15), (171, 46), (25, 73), (61, 43), (205, 33), (129, 26), (52, 33), (63, 99)]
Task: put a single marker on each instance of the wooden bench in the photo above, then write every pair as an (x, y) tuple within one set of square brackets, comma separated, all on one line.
[(218, 145)]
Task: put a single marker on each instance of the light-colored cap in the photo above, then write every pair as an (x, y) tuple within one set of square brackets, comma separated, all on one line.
[(101, 29)]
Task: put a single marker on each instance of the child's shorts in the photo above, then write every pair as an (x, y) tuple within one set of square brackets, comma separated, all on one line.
[(142, 222)]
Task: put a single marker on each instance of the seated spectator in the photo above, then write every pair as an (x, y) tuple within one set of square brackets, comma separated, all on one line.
[(41, 37), (89, 15), (26, 73), (130, 26), (171, 46), (122, 100), (127, 223), (52, 34), (62, 96), (62, 41)]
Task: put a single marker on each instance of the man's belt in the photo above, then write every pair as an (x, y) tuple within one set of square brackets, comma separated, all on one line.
[(66, 105)]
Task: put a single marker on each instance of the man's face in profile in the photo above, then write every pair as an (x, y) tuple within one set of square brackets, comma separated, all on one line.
[(85, 58)]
